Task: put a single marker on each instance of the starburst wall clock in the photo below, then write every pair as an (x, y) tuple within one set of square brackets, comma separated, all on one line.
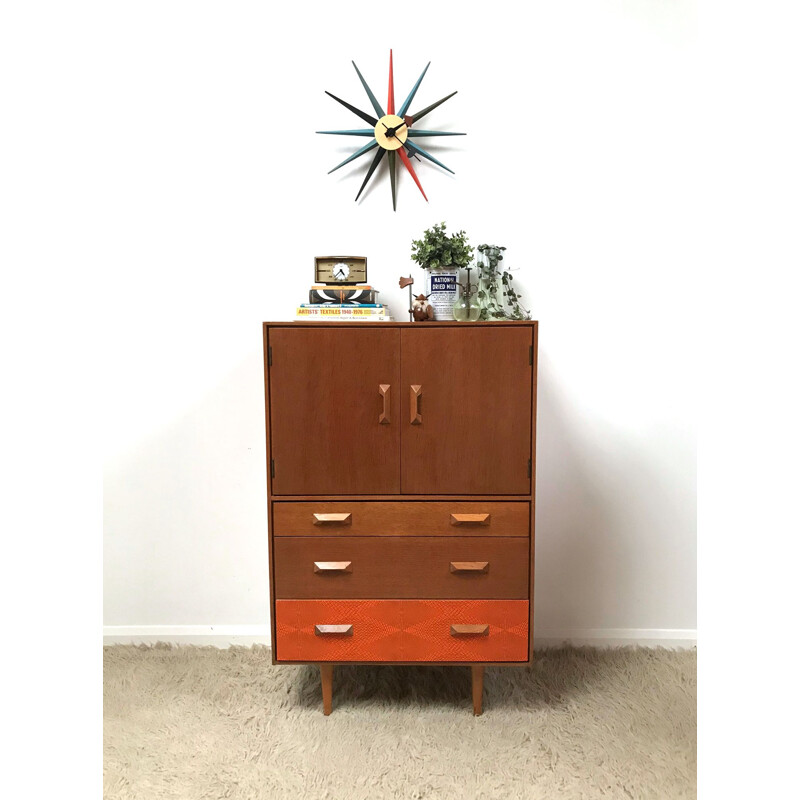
[(391, 133)]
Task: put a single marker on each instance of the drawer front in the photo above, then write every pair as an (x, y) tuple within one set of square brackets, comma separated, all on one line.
[(401, 567), (401, 630), (409, 518)]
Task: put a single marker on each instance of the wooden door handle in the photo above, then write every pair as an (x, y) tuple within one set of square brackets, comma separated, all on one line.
[(333, 630), (333, 566), (470, 519), (384, 390), (469, 566), (416, 394), (333, 519), (469, 630)]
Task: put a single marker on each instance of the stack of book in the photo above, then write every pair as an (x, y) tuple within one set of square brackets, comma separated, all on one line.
[(343, 303)]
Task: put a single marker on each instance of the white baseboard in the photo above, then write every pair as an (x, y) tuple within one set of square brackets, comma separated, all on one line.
[(247, 635), (202, 635), (671, 638)]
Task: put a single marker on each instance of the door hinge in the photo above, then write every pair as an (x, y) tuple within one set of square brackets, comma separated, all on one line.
[(530, 356), (269, 355), (530, 467), (272, 468)]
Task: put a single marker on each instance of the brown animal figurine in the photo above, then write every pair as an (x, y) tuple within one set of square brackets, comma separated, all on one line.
[(421, 309)]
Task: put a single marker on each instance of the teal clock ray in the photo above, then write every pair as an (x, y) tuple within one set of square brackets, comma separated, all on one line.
[(391, 132), (375, 104)]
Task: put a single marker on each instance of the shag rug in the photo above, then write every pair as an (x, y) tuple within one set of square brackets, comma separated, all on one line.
[(189, 722)]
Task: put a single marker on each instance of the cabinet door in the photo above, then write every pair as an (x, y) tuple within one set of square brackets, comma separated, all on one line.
[(335, 410), (466, 410)]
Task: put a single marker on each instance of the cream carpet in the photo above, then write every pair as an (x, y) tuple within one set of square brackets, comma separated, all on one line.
[(190, 722)]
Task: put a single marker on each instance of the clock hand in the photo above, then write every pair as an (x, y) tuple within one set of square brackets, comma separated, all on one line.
[(390, 132)]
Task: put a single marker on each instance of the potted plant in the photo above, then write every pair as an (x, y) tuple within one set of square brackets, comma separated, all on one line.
[(442, 255), (438, 250)]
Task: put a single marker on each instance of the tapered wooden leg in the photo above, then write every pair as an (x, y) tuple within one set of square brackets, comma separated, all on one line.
[(326, 672), (477, 689)]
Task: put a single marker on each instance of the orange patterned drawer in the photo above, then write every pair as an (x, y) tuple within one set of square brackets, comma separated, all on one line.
[(401, 630)]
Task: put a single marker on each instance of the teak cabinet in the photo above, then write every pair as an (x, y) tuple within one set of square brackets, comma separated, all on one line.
[(401, 474)]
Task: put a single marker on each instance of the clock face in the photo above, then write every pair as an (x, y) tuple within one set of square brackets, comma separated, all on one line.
[(392, 134), (341, 271)]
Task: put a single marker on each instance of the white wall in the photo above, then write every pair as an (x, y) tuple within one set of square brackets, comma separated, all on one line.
[(579, 158)]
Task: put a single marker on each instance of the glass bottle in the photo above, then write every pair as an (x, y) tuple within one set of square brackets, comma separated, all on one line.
[(466, 307)]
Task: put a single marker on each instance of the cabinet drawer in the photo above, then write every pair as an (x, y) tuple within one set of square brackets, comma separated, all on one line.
[(402, 518), (401, 630), (401, 566)]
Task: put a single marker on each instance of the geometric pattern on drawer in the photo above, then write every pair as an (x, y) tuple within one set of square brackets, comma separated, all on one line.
[(374, 631), (401, 630), (426, 627)]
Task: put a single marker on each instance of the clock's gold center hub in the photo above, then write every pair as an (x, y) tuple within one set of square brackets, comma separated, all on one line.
[(391, 132)]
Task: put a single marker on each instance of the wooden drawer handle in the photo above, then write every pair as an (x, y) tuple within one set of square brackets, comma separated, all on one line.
[(333, 630), (470, 519), (333, 566), (384, 390), (469, 566), (333, 519), (416, 395), (469, 630)]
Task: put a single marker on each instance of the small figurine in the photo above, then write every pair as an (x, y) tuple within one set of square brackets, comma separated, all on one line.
[(421, 309)]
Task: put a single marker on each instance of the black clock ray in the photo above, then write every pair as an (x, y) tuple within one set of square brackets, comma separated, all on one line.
[(393, 176), (372, 167), (412, 118), (417, 133), (363, 114)]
